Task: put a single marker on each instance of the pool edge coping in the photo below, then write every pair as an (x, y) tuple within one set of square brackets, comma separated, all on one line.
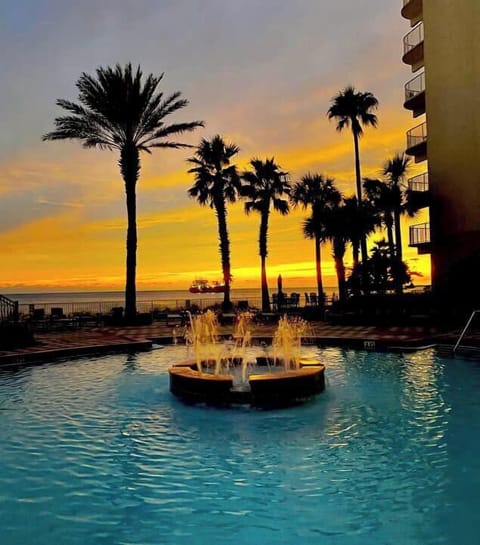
[(141, 345)]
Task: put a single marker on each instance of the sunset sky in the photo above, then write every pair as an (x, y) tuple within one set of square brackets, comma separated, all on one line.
[(259, 72)]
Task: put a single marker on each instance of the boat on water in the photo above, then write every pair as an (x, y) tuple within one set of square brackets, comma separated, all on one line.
[(204, 286)]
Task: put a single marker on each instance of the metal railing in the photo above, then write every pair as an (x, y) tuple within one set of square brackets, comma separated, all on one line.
[(419, 183), (413, 38), (417, 135), (8, 309), (419, 234), (415, 86), (104, 308), (464, 331)]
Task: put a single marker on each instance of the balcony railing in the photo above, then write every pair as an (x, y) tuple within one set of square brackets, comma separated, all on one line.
[(413, 38), (417, 135), (419, 183), (8, 309), (420, 234), (412, 8), (415, 86)]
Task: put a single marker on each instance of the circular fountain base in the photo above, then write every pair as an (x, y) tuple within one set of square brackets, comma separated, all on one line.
[(266, 390)]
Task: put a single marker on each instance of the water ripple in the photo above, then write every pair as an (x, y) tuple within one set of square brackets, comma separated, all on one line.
[(97, 451)]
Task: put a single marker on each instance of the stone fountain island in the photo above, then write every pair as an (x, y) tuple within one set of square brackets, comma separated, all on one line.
[(220, 374)]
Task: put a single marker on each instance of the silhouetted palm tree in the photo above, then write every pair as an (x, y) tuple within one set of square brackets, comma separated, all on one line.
[(359, 223), (390, 200), (379, 194), (355, 110), (264, 187), (385, 271), (395, 169), (356, 223), (337, 231), (121, 110), (339, 245), (321, 195), (216, 183)]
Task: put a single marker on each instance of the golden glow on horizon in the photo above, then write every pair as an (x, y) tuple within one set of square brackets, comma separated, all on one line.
[(172, 251), (73, 236)]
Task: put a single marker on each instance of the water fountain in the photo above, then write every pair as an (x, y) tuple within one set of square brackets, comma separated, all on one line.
[(220, 373)]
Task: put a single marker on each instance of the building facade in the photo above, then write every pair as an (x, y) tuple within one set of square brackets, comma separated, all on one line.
[(443, 50)]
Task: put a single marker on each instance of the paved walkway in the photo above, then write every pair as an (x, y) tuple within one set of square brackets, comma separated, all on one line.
[(54, 344)]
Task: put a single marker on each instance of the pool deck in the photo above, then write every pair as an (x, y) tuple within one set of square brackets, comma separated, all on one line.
[(95, 340)]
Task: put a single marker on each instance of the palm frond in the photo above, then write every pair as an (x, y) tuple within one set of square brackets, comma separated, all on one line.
[(353, 109), (308, 228), (167, 130), (218, 179), (119, 107), (166, 144), (85, 129), (396, 168), (281, 205), (253, 206)]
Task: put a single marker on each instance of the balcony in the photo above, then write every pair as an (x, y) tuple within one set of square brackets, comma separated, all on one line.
[(413, 48), (420, 237), (417, 142), (412, 10), (419, 194), (419, 183), (415, 95)]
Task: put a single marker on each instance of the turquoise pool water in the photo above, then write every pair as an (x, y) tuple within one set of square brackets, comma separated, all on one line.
[(97, 451)]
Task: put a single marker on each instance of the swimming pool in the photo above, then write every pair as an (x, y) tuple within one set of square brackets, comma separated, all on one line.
[(97, 451)]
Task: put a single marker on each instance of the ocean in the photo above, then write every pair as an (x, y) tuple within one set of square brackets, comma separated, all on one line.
[(104, 301)]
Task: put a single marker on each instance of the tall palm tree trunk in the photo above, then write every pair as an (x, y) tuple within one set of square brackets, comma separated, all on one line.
[(358, 176), (355, 258), (265, 293), (342, 284), (391, 242), (130, 168), (393, 253), (398, 234), (318, 264), (262, 241), (224, 251), (358, 180), (355, 252), (399, 253), (338, 253)]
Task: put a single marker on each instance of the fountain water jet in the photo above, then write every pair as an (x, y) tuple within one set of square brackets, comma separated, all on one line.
[(287, 341), (221, 373)]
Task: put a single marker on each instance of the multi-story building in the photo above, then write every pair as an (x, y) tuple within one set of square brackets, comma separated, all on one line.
[(443, 50)]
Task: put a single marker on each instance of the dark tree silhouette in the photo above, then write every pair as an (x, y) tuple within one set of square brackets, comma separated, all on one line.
[(383, 270), (359, 223), (321, 195), (380, 196), (354, 109), (395, 170), (121, 110), (338, 231), (216, 183), (339, 245), (391, 199), (263, 188)]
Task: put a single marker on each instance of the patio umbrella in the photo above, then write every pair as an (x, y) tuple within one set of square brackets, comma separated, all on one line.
[(279, 283)]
